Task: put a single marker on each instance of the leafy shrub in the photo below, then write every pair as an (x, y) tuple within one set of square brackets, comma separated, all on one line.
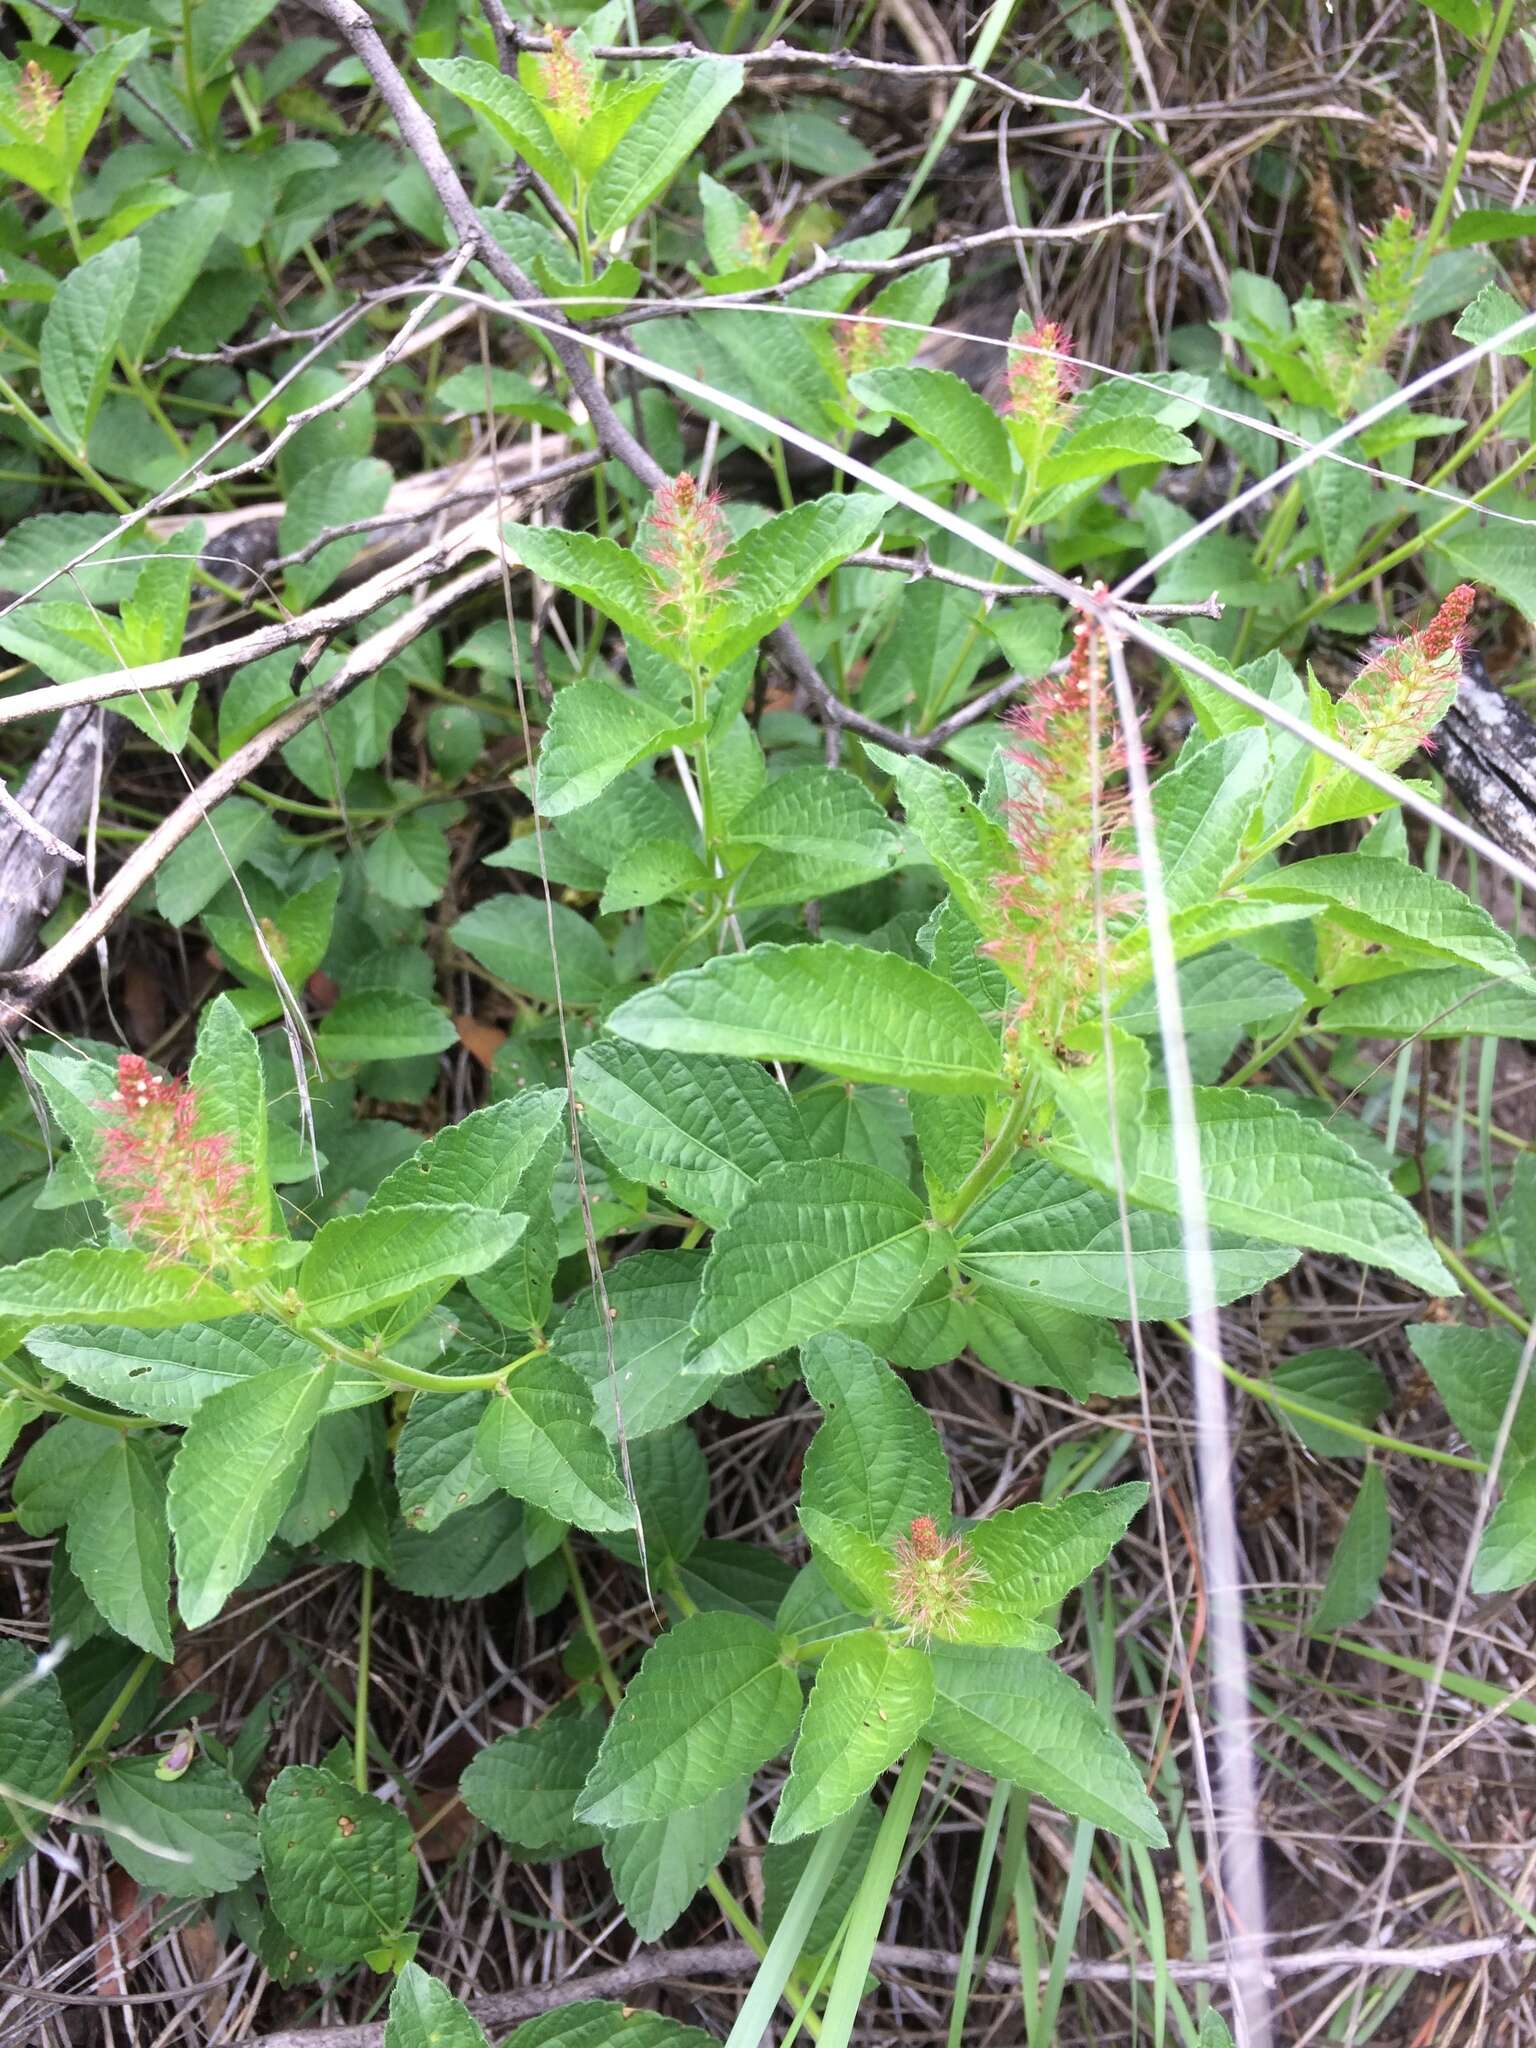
[(863, 1046)]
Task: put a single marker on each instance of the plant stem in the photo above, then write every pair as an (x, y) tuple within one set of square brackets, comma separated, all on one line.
[(1276, 1397), (605, 1671), (364, 1666), (872, 1898), (989, 1165), (772, 1979), (101, 1734), (1478, 1291), (1474, 114)]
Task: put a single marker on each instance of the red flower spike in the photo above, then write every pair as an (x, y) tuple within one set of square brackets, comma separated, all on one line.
[(860, 345), (175, 1188), (564, 78), (1052, 906), (689, 537), (933, 1581), (1402, 693), (1042, 382)]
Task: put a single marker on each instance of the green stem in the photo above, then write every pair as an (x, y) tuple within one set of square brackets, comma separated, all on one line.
[(1476, 1288), (872, 1899), (364, 1666), (389, 1369), (988, 1166), (61, 1404), (62, 449), (778, 1965), (605, 1671), (1458, 163), (1276, 1397), (101, 1734)]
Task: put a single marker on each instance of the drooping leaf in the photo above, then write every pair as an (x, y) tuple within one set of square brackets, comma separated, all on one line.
[(119, 1543), (1015, 1715), (1359, 1559), (80, 332), (538, 1438), (711, 1701), (236, 1467), (702, 1131), (339, 1866), (1393, 903), (657, 1866), (872, 1698), (816, 1245), (202, 1818), (863, 1015)]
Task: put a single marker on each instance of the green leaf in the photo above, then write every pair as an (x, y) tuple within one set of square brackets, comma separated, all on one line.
[(511, 113), (652, 1298), (80, 333), (1445, 1002), (969, 849), (357, 1264), (226, 1078), (1014, 1715), (612, 579), (1043, 1235), (1365, 1544), (820, 831), (538, 1439), (1103, 1099), (1474, 1372), (383, 1024), (1101, 447), (1214, 2032), (1032, 1556), (199, 868), (773, 567), (1397, 905), (436, 1469), (702, 1131), (1506, 1557), (331, 494), (1202, 810), (408, 863), (497, 1158), (669, 1477), (111, 1285), (816, 1245), (35, 1748), (201, 1824), (946, 413), (593, 2023), (510, 935), (1343, 1383), (691, 101), (1225, 990), (871, 1700), (657, 1866), (876, 1462), (425, 2014), (235, 1471), (711, 1701), (525, 1786), (119, 1544), (167, 1375), (173, 248), (863, 1015), (596, 732), (339, 1867), (1286, 1179)]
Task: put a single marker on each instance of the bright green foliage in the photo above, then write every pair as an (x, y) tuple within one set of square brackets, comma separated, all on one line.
[(339, 1867), (801, 1033)]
